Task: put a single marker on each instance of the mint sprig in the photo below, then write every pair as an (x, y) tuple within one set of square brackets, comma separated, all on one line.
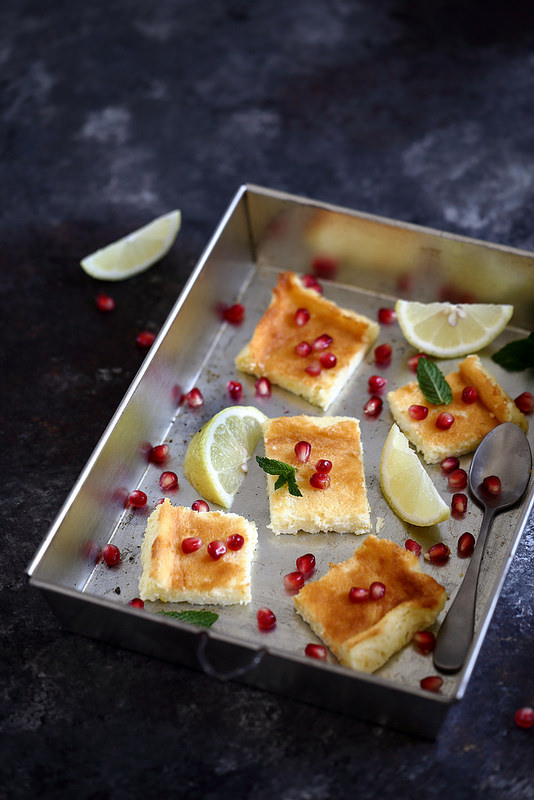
[(432, 383), (203, 618), (286, 474), (516, 355)]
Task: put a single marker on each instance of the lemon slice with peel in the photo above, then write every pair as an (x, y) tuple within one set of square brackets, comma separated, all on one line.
[(447, 330), (407, 486), (136, 252), (217, 456)]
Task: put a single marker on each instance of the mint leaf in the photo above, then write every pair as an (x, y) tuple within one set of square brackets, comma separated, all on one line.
[(286, 474), (432, 383), (203, 618), (516, 355)]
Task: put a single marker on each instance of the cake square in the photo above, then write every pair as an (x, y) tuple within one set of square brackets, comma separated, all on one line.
[(363, 636), (343, 506), (472, 421), (175, 577), (271, 351)]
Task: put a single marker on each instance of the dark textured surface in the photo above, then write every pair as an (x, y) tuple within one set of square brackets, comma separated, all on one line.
[(113, 113)]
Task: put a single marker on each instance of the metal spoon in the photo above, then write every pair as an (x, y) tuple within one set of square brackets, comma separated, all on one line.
[(504, 452)]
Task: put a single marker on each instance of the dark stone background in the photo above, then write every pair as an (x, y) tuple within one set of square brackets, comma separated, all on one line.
[(113, 113)]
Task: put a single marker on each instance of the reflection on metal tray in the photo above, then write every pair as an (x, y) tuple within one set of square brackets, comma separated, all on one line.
[(377, 260)]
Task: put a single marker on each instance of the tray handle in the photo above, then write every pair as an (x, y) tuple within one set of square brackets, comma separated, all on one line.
[(231, 674)]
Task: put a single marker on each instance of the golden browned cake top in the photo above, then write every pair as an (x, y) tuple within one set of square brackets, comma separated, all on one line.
[(496, 400)]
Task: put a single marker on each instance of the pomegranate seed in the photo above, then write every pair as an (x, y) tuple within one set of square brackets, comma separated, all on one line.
[(458, 504), (200, 505), (160, 501), (314, 369), (327, 360), (303, 349), (457, 479), (168, 481), (387, 316), (413, 546), (383, 354), (263, 387), (449, 464), (158, 454), (302, 316), (234, 314), (191, 544), (525, 402), (137, 498), (194, 398), (311, 282), (235, 390), (137, 603), (316, 651), (492, 485), (293, 581), (444, 421), (216, 549), (306, 563), (266, 619), (322, 342), (104, 302), (469, 395), (438, 553), (432, 683), (373, 407), (178, 396), (358, 595), (524, 717), (413, 361), (302, 451), (324, 266), (376, 383), (323, 465), (377, 590), (466, 545), (424, 642), (418, 412), (111, 554), (235, 541), (320, 480), (145, 339)]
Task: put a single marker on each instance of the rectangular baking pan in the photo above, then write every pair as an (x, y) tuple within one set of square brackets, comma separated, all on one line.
[(263, 232)]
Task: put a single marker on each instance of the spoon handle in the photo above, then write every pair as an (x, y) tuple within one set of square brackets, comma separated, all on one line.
[(456, 631)]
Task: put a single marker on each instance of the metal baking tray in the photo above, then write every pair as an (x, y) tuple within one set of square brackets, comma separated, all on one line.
[(261, 233)]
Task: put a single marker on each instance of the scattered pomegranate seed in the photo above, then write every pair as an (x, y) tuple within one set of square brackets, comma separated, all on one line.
[(525, 402), (216, 549), (263, 387), (104, 302), (311, 282), (524, 717), (159, 453), (328, 360), (459, 504), (191, 544), (424, 642), (413, 546), (302, 316), (383, 354), (200, 505), (466, 545), (145, 339), (376, 383), (469, 395), (457, 479), (492, 485), (316, 651), (302, 451), (322, 342), (178, 396), (432, 683), (373, 407), (449, 464), (137, 498), (314, 369), (111, 554), (323, 465), (168, 481), (387, 316), (266, 619), (320, 480), (377, 590), (293, 581), (303, 349), (194, 398), (235, 390), (235, 541), (136, 602), (438, 554), (418, 412), (234, 314), (160, 501), (306, 563), (413, 361), (324, 266), (444, 421), (358, 595)]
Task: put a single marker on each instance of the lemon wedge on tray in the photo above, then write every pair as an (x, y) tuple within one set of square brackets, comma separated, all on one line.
[(135, 252), (216, 459), (447, 330), (407, 486)]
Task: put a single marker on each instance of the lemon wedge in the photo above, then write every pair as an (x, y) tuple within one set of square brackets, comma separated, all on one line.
[(446, 330), (216, 459), (136, 252), (407, 486)]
